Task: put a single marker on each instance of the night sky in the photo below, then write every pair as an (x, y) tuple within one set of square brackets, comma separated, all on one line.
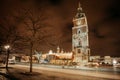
[(103, 18)]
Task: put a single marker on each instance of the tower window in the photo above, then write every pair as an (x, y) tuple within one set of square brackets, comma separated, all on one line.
[(78, 31), (80, 43), (79, 51)]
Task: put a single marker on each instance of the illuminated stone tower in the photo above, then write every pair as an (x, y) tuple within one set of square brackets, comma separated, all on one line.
[(80, 42)]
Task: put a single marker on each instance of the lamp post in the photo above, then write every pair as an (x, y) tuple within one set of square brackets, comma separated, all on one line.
[(7, 47)]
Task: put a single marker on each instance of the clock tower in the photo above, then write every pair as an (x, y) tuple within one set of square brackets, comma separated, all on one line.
[(80, 42)]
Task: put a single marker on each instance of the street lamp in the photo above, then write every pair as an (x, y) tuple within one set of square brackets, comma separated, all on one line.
[(7, 47)]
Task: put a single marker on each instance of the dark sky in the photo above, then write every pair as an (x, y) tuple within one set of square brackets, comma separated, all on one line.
[(103, 18)]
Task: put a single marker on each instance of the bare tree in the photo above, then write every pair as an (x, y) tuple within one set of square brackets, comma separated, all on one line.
[(32, 26), (10, 32), (34, 29)]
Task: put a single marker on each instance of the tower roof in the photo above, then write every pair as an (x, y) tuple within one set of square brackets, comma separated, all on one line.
[(79, 11), (79, 7)]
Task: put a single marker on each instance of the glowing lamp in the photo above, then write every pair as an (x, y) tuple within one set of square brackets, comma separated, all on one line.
[(50, 52), (114, 62), (7, 47)]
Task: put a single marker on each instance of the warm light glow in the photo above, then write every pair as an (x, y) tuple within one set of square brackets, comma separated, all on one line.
[(50, 52), (114, 62), (7, 46)]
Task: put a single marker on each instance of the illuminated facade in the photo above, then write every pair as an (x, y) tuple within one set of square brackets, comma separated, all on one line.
[(80, 42), (60, 57)]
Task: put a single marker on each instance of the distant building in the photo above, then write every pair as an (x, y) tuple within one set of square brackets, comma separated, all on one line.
[(108, 60), (59, 57), (95, 58)]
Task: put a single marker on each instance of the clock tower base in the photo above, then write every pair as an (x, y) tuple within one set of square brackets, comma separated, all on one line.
[(82, 58)]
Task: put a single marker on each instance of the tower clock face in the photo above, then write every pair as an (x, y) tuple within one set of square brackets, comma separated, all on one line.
[(83, 21), (78, 22)]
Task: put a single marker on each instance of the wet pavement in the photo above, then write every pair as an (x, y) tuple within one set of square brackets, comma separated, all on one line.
[(97, 74), (52, 72)]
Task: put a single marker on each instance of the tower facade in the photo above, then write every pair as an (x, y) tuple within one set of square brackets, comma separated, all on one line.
[(80, 41)]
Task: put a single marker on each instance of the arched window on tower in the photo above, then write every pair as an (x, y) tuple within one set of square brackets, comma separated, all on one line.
[(80, 43), (78, 32)]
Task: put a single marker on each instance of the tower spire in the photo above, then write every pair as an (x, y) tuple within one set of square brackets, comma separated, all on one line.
[(79, 11), (79, 7)]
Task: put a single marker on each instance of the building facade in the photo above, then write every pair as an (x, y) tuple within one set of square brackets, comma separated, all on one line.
[(80, 41)]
